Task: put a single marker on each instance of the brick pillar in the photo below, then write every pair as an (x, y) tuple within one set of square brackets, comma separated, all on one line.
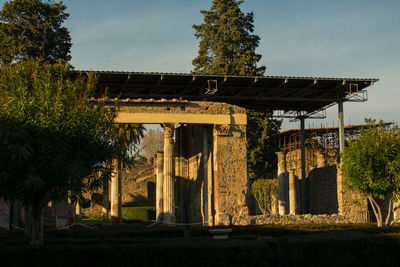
[(292, 193), (168, 185), (159, 185), (116, 205), (282, 184)]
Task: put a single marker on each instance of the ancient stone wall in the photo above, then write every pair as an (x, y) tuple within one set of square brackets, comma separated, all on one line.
[(351, 203), (230, 173), (139, 185), (138, 189), (327, 193), (290, 219), (323, 190)]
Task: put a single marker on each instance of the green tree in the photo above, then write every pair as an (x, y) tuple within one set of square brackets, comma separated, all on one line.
[(128, 136), (52, 137), (371, 165), (265, 191), (33, 28), (227, 45), (262, 144)]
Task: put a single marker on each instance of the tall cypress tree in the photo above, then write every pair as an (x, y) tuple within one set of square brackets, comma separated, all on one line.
[(33, 28), (227, 43), (227, 47)]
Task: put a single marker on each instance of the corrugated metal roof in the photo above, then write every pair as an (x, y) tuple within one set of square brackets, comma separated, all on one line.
[(228, 76), (293, 95)]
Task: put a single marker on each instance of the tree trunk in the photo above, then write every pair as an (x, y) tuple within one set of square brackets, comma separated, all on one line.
[(36, 219), (389, 214), (377, 210)]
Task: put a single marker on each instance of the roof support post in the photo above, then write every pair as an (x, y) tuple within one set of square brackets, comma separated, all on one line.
[(340, 189), (341, 127), (304, 193)]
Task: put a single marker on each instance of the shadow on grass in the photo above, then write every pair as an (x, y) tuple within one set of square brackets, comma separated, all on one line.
[(135, 244)]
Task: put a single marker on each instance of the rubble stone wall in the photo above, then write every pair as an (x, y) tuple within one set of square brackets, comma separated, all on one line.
[(323, 190), (291, 219), (230, 173), (327, 193)]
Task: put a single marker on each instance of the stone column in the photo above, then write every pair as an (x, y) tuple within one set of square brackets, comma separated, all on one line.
[(282, 183), (116, 206), (304, 188), (292, 193), (78, 210), (106, 201), (159, 185), (63, 213), (320, 159), (396, 212), (168, 185)]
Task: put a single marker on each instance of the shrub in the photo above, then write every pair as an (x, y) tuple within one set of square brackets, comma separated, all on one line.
[(265, 191), (138, 213)]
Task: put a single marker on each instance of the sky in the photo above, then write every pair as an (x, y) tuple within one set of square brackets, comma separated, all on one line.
[(320, 38)]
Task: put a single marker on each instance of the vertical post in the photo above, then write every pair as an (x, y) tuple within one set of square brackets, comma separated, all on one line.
[(282, 183), (159, 185), (320, 159), (78, 209), (182, 209), (292, 193), (215, 176), (168, 188), (341, 127), (304, 195), (341, 149), (116, 206), (210, 185), (205, 175), (106, 200)]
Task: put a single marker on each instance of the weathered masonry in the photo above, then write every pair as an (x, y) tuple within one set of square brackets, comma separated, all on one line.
[(204, 157), (204, 120), (211, 136), (326, 194)]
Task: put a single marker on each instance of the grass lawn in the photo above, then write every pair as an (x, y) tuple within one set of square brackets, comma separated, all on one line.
[(136, 244)]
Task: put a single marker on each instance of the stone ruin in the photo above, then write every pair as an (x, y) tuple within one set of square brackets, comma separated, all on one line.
[(203, 167)]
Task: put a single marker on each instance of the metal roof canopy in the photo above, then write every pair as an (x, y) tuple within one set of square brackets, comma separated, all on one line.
[(288, 97)]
